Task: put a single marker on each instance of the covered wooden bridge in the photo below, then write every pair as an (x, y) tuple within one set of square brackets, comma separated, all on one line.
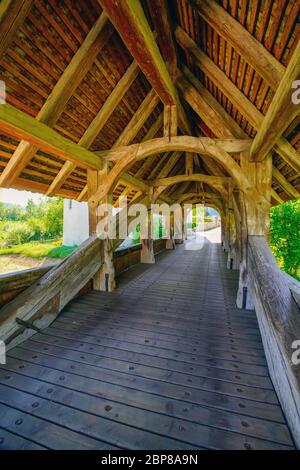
[(162, 101)]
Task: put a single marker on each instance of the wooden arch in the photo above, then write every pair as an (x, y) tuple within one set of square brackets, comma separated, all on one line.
[(218, 149), (218, 183)]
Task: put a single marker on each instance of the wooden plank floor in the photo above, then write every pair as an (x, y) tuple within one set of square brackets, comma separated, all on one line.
[(165, 362)]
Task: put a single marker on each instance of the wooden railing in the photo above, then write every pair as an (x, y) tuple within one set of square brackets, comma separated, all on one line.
[(127, 257), (12, 284), (38, 305), (278, 316)]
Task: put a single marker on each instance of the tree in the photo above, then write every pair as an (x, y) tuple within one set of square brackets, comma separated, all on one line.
[(285, 236)]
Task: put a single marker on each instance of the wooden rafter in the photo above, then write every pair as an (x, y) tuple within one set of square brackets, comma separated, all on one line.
[(237, 98), (208, 179), (241, 40), (282, 111), (138, 120), (286, 186), (212, 112), (130, 21), (12, 15), (162, 23), (22, 126), (98, 123), (61, 93)]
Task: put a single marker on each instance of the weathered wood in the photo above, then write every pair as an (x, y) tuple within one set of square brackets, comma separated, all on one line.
[(24, 127), (138, 120), (202, 108), (236, 97), (276, 196), (12, 15), (278, 318), (61, 93), (186, 143), (12, 284), (249, 48), (126, 156), (255, 218), (162, 23), (170, 121), (129, 19), (208, 108), (208, 179), (40, 303), (281, 111), (286, 186), (189, 163)]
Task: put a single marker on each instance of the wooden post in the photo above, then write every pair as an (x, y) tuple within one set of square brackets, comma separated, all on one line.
[(147, 252), (189, 163), (255, 218), (104, 279), (233, 259), (170, 244), (170, 121)]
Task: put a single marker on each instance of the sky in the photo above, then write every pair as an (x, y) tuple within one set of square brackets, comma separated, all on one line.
[(20, 198)]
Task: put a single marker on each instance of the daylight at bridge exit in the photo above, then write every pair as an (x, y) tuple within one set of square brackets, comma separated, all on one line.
[(149, 230)]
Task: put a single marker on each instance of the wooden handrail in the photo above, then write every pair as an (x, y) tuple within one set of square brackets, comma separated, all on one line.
[(279, 322), (38, 305)]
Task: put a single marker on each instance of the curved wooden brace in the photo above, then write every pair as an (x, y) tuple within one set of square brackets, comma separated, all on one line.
[(217, 183), (124, 157), (206, 195), (214, 204)]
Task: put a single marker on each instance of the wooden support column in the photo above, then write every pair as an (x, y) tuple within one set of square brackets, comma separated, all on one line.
[(255, 218), (233, 259), (104, 279), (147, 252), (170, 244), (189, 163)]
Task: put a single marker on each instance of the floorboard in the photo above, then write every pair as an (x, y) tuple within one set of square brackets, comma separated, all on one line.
[(165, 362)]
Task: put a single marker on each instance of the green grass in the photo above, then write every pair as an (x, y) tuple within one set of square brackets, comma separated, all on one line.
[(47, 249)]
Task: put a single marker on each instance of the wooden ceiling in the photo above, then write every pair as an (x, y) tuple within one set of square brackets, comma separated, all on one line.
[(43, 79)]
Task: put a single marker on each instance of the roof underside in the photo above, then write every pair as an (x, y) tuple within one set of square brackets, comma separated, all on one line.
[(53, 31)]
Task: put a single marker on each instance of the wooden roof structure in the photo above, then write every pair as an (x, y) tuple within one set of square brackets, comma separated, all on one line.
[(98, 75)]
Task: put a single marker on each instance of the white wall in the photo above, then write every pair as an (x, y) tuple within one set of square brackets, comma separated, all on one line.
[(76, 222)]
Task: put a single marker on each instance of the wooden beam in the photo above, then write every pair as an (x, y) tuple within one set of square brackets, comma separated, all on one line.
[(229, 124), (40, 303), (61, 93), (21, 126), (124, 157), (98, 123), (237, 98), (162, 24), (213, 180), (168, 167), (282, 111), (276, 196), (138, 119), (199, 195), (170, 121), (286, 186), (288, 153), (249, 48), (189, 163), (207, 107), (130, 21), (12, 15)]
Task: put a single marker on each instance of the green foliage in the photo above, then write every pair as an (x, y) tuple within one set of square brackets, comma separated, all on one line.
[(35, 249), (41, 221), (285, 236)]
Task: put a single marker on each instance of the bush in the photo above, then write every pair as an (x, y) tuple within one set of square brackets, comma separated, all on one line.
[(15, 233), (285, 236)]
